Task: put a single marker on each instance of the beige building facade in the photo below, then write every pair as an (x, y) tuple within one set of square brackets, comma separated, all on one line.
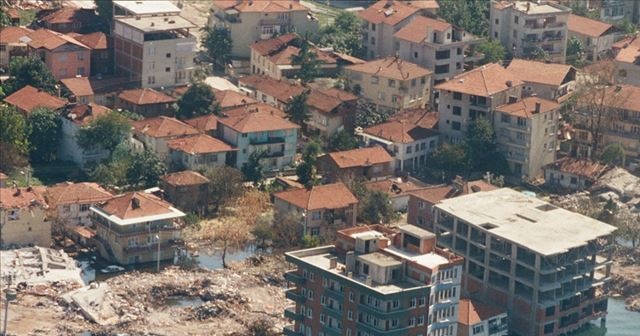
[(23, 218)]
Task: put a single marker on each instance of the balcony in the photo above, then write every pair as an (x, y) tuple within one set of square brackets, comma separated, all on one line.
[(292, 295), (544, 26), (335, 312), (267, 140), (331, 330), (152, 247), (291, 313), (272, 154), (334, 293), (494, 329), (291, 331), (295, 278)]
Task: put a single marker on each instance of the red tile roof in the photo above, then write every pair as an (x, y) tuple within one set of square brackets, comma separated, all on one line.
[(12, 34), (625, 97), (28, 98), (266, 47), (327, 100), (540, 72), (420, 27), (230, 99), (185, 178), (204, 123), (261, 6), (483, 81), (630, 52), (257, 121), (281, 90), (76, 193), (95, 41), (71, 15), (472, 312), (400, 131), (395, 187), (145, 97), (328, 196), (585, 168), (122, 207), (434, 195), (162, 127), (79, 86), (589, 27), (361, 157), (258, 107), (380, 12), (526, 107), (10, 198), (50, 40), (390, 67), (199, 144), (422, 4), (417, 116), (82, 114)]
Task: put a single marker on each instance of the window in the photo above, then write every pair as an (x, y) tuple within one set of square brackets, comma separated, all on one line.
[(309, 312), (495, 34), (455, 125), (457, 110), (381, 96), (622, 73), (413, 82), (423, 146), (412, 321), (80, 71), (413, 302), (421, 301), (350, 315), (167, 69), (374, 79), (373, 40), (574, 180), (392, 83), (310, 294), (423, 80), (420, 320), (66, 208), (373, 26), (477, 329), (80, 56), (515, 19), (457, 96), (168, 55), (315, 231), (316, 215), (14, 215), (415, 54), (84, 207), (497, 21), (409, 149), (151, 80), (522, 121), (3, 47), (505, 118)]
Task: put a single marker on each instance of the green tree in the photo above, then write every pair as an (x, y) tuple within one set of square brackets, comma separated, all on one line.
[(344, 35), (145, 169), (105, 13), (376, 208), (29, 71), (609, 211), (308, 61), (627, 27), (252, 169), (536, 53), (262, 231), (471, 15), (106, 131), (5, 20), (297, 109), (287, 229), (45, 135), (307, 171), (575, 51), (217, 41), (341, 141), (198, 100), (225, 185), (367, 115), (14, 138), (445, 163), (309, 241), (613, 154), (493, 51), (482, 149)]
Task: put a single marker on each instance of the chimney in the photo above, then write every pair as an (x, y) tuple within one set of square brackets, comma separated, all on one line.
[(89, 109), (537, 110), (135, 203), (509, 83), (350, 261), (369, 281), (333, 262)]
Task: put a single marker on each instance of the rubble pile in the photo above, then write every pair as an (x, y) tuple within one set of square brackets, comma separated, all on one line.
[(625, 277)]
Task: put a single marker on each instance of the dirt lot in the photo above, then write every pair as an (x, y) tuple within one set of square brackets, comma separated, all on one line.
[(174, 302), (625, 274)]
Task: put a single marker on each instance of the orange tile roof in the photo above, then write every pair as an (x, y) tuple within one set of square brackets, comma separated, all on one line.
[(28, 98), (540, 72), (400, 131), (419, 28), (204, 123), (95, 41), (11, 199), (79, 86), (420, 117), (263, 6), (436, 194), (231, 98), (391, 67), (162, 127), (82, 114), (258, 121), (422, 4), (70, 15), (483, 81), (3, 176), (121, 206), (327, 100), (258, 107), (630, 52), (328, 196), (391, 15), (76, 193), (13, 13), (266, 47), (361, 157), (526, 107), (12, 34), (472, 312), (184, 178), (393, 187), (589, 27), (625, 97), (199, 144), (50, 40), (281, 90), (585, 168), (145, 97)]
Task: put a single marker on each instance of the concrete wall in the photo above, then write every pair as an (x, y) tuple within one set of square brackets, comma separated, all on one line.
[(245, 148), (182, 160), (67, 61), (28, 228), (70, 151)]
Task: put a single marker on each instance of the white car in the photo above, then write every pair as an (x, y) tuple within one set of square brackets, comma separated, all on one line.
[(112, 269)]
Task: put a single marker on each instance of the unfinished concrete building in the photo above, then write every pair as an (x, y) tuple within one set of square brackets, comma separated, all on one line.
[(541, 262)]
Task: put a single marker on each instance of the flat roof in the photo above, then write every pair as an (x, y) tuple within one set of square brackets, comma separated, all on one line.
[(531, 7), (429, 260), (526, 220), (149, 24), (175, 213), (367, 234), (147, 6), (379, 259), (416, 231)]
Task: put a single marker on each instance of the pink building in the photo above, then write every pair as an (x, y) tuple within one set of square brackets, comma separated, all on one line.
[(64, 56)]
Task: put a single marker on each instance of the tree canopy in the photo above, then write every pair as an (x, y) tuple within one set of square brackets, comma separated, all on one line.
[(493, 51), (344, 35), (575, 51), (105, 13), (307, 171), (107, 131), (29, 71), (225, 185), (613, 154), (45, 135), (376, 208), (482, 149), (308, 61), (297, 109), (217, 41), (253, 169), (145, 169), (14, 138), (471, 15), (342, 141), (129, 169), (198, 100)]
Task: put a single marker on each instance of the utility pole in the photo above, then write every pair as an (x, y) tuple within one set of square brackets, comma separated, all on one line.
[(9, 295), (158, 264)]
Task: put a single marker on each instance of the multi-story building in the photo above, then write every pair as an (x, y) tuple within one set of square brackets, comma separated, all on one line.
[(147, 102), (270, 91), (69, 202), (78, 88), (73, 119), (549, 286), (368, 163), (437, 45), (380, 22), (474, 94), (619, 10), (597, 37), (23, 219), (198, 151), (526, 134), (573, 174), (398, 189), (187, 189), (545, 80), (323, 209), (155, 133), (29, 98), (390, 83), (260, 129), (249, 21), (627, 62), (331, 110), (63, 55), (527, 28), (477, 318), (69, 19), (136, 227), (12, 44), (152, 43), (375, 281), (101, 46)]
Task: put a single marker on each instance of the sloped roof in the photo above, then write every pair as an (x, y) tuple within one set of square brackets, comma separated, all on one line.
[(95, 41), (82, 114), (423, 4), (161, 127), (393, 186), (625, 97), (28, 98), (436, 194), (418, 116), (540, 72), (400, 131), (418, 29), (12, 34), (361, 157), (76, 193), (326, 100), (184, 178), (50, 40), (122, 206), (483, 81), (630, 52), (473, 312), (589, 27), (71, 15), (268, 46), (145, 96), (390, 67), (79, 86), (585, 168), (281, 90), (258, 121), (258, 107), (263, 6), (10, 198), (381, 12), (203, 123), (526, 108), (231, 98), (328, 196), (199, 144)]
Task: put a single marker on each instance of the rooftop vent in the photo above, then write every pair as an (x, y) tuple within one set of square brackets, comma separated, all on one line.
[(135, 203)]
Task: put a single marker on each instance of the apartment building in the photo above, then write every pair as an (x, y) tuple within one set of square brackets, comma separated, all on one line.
[(259, 128), (474, 94), (187, 189), (390, 83), (23, 219), (12, 44), (101, 46), (368, 163), (573, 174), (597, 37), (268, 90), (63, 55), (198, 151), (29, 98), (381, 21), (73, 119), (437, 45), (526, 134), (375, 281), (549, 286), (249, 21), (69, 202), (398, 189), (332, 110), (155, 133), (152, 43), (545, 80), (323, 209), (620, 10), (477, 318), (147, 102), (527, 27), (69, 19), (627, 62)]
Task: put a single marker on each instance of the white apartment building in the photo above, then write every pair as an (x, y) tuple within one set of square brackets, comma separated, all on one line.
[(597, 37), (437, 45), (545, 80), (526, 26)]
